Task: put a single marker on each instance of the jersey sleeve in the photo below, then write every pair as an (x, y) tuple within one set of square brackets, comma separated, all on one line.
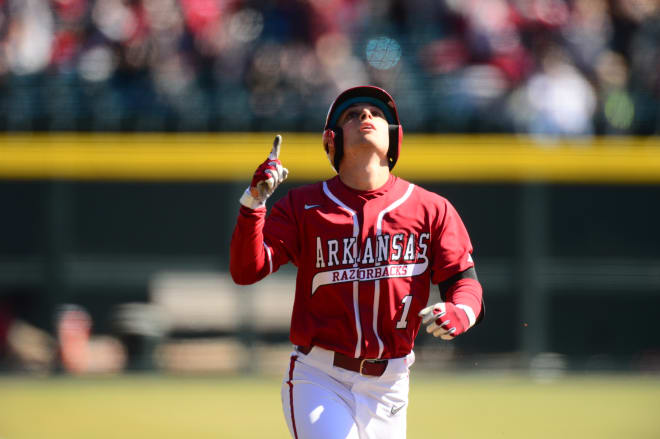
[(452, 249), (260, 244), (453, 255), (282, 231)]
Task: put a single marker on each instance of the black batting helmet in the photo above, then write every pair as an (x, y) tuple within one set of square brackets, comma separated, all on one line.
[(371, 95)]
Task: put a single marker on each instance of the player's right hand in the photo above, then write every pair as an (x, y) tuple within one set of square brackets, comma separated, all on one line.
[(267, 177)]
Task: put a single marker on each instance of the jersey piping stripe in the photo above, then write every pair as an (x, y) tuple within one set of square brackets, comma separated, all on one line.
[(290, 383), (381, 346), (358, 325), (391, 207), (379, 231), (356, 225), (356, 233), (270, 258)]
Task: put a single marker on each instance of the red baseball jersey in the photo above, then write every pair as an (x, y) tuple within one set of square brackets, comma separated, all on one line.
[(365, 261)]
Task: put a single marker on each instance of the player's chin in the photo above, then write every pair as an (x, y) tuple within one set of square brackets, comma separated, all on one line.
[(373, 140)]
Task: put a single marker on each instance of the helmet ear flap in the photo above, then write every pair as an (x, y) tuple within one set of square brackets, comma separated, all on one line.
[(337, 137), (339, 147), (396, 134)]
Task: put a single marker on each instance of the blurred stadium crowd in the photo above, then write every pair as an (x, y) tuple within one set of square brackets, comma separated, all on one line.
[(558, 67)]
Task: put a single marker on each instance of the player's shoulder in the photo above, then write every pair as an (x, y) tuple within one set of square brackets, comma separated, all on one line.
[(424, 195), (306, 190), (303, 195), (431, 204)]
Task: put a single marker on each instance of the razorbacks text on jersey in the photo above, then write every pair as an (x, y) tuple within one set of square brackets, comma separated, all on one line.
[(364, 257)]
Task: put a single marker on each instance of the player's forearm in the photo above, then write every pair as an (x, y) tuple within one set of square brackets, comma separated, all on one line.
[(467, 293), (249, 258)]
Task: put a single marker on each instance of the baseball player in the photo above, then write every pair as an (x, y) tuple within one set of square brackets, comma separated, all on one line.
[(367, 246)]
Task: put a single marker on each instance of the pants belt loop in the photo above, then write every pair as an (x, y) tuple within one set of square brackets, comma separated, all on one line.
[(362, 365)]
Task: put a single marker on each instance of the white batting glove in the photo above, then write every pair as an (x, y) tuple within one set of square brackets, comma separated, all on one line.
[(267, 177), (446, 320)]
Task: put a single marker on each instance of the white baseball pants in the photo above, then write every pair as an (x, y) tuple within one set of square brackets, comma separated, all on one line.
[(321, 401)]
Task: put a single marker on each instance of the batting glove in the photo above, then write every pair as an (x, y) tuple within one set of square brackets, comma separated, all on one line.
[(445, 320), (266, 178)]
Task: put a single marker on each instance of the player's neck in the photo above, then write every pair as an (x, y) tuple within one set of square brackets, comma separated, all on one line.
[(364, 177)]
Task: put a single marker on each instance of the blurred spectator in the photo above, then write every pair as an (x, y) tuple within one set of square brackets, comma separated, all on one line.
[(73, 326), (26, 347), (236, 64), (79, 351), (557, 100), (23, 346)]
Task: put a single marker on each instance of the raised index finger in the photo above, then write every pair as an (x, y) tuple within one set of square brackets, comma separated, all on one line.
[(275, 152)]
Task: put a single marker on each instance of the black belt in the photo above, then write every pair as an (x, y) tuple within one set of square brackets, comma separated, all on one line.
[(363, 366)]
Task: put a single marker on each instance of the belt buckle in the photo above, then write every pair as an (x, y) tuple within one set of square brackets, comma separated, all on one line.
[(369, 361)]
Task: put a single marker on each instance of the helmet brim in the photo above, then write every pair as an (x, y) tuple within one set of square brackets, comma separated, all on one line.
[(362, 94)]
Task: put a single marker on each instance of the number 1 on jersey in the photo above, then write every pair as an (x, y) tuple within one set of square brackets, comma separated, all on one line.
[(403, 322)]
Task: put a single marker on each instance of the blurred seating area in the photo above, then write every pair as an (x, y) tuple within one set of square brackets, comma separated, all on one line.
[(546, 67)]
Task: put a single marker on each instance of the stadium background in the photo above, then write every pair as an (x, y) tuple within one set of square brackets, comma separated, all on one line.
[(130, 128)]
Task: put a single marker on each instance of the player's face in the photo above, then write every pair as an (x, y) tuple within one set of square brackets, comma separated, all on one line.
[(365, 125)]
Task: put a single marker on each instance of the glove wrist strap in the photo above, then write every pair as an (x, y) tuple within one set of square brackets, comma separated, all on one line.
[(470, 313), (250, 202)]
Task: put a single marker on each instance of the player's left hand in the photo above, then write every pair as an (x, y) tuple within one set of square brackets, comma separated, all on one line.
[(267, 177), (445, 320)]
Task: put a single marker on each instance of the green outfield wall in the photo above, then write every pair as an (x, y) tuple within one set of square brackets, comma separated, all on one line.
[(566, 233)]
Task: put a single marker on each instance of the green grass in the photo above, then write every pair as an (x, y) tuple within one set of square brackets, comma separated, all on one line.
[(448, 406)]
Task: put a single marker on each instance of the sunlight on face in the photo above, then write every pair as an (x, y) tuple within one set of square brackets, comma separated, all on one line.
[(364, 124), (355, 112)]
